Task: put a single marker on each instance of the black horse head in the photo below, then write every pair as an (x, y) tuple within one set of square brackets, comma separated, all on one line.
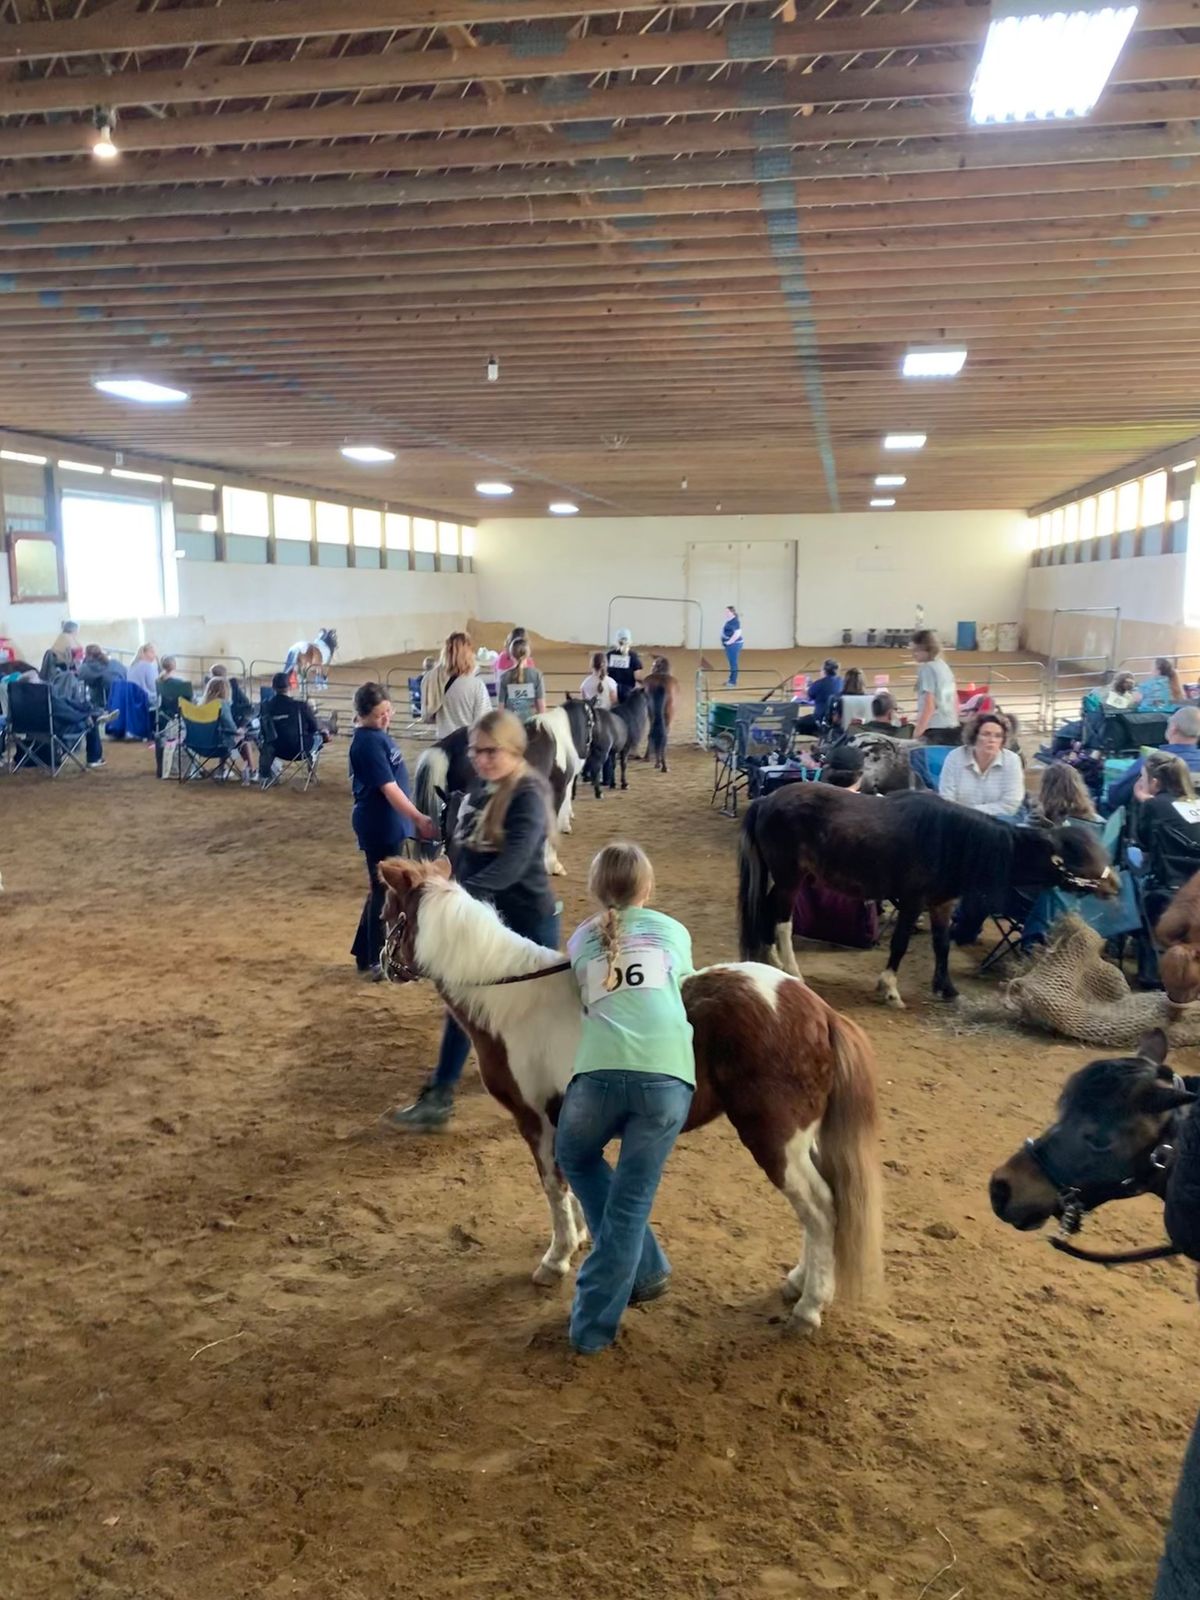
[(329, 635), (1110, 1140)]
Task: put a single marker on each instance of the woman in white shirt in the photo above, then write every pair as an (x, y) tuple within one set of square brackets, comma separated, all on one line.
[(598, 686), (143, 671), (452, 695), (981, 773)]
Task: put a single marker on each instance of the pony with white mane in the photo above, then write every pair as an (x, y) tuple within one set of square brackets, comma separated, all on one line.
[(796, 1080), (310, 658)]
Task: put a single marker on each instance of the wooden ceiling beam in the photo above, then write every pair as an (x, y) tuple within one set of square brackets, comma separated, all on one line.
[(546, 54)]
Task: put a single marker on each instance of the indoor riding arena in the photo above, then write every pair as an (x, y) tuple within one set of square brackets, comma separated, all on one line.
[(370, 366)]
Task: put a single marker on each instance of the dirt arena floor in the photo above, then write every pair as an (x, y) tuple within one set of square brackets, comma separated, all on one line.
[(254, 1346)]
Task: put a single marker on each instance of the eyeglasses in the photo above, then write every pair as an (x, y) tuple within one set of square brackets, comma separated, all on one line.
[(485, 749)]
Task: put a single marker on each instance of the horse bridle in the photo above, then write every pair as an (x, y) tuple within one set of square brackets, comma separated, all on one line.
[(1149, 1176), (1073, 879), (397, 970)]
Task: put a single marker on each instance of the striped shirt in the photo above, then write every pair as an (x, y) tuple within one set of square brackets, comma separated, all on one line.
[(998, 792)]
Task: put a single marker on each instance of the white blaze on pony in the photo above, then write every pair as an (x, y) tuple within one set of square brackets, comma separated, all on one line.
[(796, 1079)]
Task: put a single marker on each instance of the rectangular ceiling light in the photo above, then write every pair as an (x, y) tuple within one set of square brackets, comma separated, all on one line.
[(34, 461), (193, 483), (1040, 64), (880, 504), (80, 466), (933, 363), (1180, 466), (890, 480), (904, 441), (140, 477)]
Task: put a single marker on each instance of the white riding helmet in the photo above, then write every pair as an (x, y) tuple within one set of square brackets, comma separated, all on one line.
[(624, 636)]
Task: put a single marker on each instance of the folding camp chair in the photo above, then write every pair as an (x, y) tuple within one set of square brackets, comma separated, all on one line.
[(34, 738), (926, 762), (1171, 861), (284, 735), (761, 735), (205, 747)]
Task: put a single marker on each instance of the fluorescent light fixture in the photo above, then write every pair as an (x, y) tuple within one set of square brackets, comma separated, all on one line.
[(933, 363), (142, 390), (563, 508), (367, 453), (890, 480), (193, 483), (904, 441), (139, 477), (883, 503), (494, 489), (20, 455), (80, 466), (104, 122), (1182, 466), (1040, 63)]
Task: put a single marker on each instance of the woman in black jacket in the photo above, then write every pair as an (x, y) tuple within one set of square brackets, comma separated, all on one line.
[(500, 856), (1179, 1572)]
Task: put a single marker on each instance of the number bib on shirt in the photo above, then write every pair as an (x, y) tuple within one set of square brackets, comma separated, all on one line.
[(1189, 810), (635, 971), (620, 662), (521, 699)]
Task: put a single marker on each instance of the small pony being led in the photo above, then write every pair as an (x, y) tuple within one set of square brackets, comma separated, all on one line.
[(796, 1080), (311, 658)]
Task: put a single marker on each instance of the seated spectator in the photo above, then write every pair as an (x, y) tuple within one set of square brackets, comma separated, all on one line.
[(1183, 732), (70, 717), (820, 693), (239, 702), (144, 671), (99, 672), (1163, 691), (1166, 825), (598, 686), (981, 773), (1122, 693), (844, 768), (853, 682), (219, 689), (521, 689), (65, 653), (885, 716), (278, 721), (1063, 797)]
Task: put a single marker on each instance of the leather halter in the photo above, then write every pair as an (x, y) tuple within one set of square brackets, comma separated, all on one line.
[(1074, 880), (397, 970)]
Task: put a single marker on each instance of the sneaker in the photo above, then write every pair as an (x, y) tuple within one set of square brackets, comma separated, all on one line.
[(432, 1109), (372, 974), (94, 764), (654, 1289)]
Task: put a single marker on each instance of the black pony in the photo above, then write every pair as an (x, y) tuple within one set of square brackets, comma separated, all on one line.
[(913, 848), (616, 735)]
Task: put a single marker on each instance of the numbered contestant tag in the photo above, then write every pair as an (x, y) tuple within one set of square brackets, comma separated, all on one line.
[(620, 662), (636, 971), (1189, 810)]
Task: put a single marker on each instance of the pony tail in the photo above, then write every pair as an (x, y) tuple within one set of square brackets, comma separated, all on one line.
[(609, 929)]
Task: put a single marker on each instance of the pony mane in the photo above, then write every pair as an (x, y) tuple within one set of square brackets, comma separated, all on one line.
[(965, 843), (462, 943)]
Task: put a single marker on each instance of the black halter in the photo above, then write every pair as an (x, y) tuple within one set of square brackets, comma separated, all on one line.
[(1073, 880), (397, 970)]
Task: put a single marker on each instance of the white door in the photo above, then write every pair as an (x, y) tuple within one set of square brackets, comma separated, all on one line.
[(759, 577)]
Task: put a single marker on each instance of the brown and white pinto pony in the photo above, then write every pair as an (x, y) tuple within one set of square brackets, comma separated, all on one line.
[(662, 695), (796, 1079), (1177, 933), (312, 656)]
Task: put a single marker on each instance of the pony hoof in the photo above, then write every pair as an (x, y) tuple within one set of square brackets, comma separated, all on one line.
[(547, 1277), (946, 994), (804, 1321), (887, 991)]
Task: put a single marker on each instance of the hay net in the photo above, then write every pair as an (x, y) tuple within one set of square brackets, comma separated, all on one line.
[(1071, 990)]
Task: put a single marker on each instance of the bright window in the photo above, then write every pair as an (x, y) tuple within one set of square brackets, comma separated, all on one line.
[(424, 534), (246, 512), (333, 523), (448, 538), (1154, 499), (368, 528), (1087, 518), (468, 542), (1056, 526), (1128, 497), (1071, 522), (397, 531), (112, 556), (1044, 529), (293, 517), (1106, 513)]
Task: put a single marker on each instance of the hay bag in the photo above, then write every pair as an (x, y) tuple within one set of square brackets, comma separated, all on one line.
[(1071, 990)]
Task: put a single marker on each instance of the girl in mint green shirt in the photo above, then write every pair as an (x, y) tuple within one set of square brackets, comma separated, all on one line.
[(634, 1079)]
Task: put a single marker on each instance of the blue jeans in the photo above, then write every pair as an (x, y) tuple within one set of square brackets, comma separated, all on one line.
[(1179, 1574), (456, 1044), (732, 652), (646, 1111)]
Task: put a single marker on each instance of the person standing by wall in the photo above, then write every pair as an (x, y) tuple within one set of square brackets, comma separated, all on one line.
[(634, 1079), (499, 856), (453, 695), (383, 814), (732, 641), (937, 698)]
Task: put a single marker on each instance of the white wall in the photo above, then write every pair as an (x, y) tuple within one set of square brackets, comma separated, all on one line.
[(230, 608), (856, 570), (1148, 589)]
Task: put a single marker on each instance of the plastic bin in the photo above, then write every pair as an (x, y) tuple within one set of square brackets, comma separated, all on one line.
[(964, 638), (987, 636), (1009, 636)]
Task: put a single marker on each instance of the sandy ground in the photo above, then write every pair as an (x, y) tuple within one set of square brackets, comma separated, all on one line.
[(253, 1346)]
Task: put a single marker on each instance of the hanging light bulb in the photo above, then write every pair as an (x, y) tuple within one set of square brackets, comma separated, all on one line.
[(493, 369), (104, 121)]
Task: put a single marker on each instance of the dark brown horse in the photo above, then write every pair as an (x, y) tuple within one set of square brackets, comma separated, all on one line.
[(796, 1080), (662, 695), (913, 848), (1111, 1140)]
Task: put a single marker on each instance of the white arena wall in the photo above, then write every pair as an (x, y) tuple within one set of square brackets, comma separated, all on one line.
[(1148, 589), (854, 570)]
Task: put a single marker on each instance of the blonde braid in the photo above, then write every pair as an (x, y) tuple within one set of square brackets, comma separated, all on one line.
[(609, 929)]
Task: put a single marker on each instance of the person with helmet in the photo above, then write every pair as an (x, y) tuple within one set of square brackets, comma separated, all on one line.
[(624, 664)]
